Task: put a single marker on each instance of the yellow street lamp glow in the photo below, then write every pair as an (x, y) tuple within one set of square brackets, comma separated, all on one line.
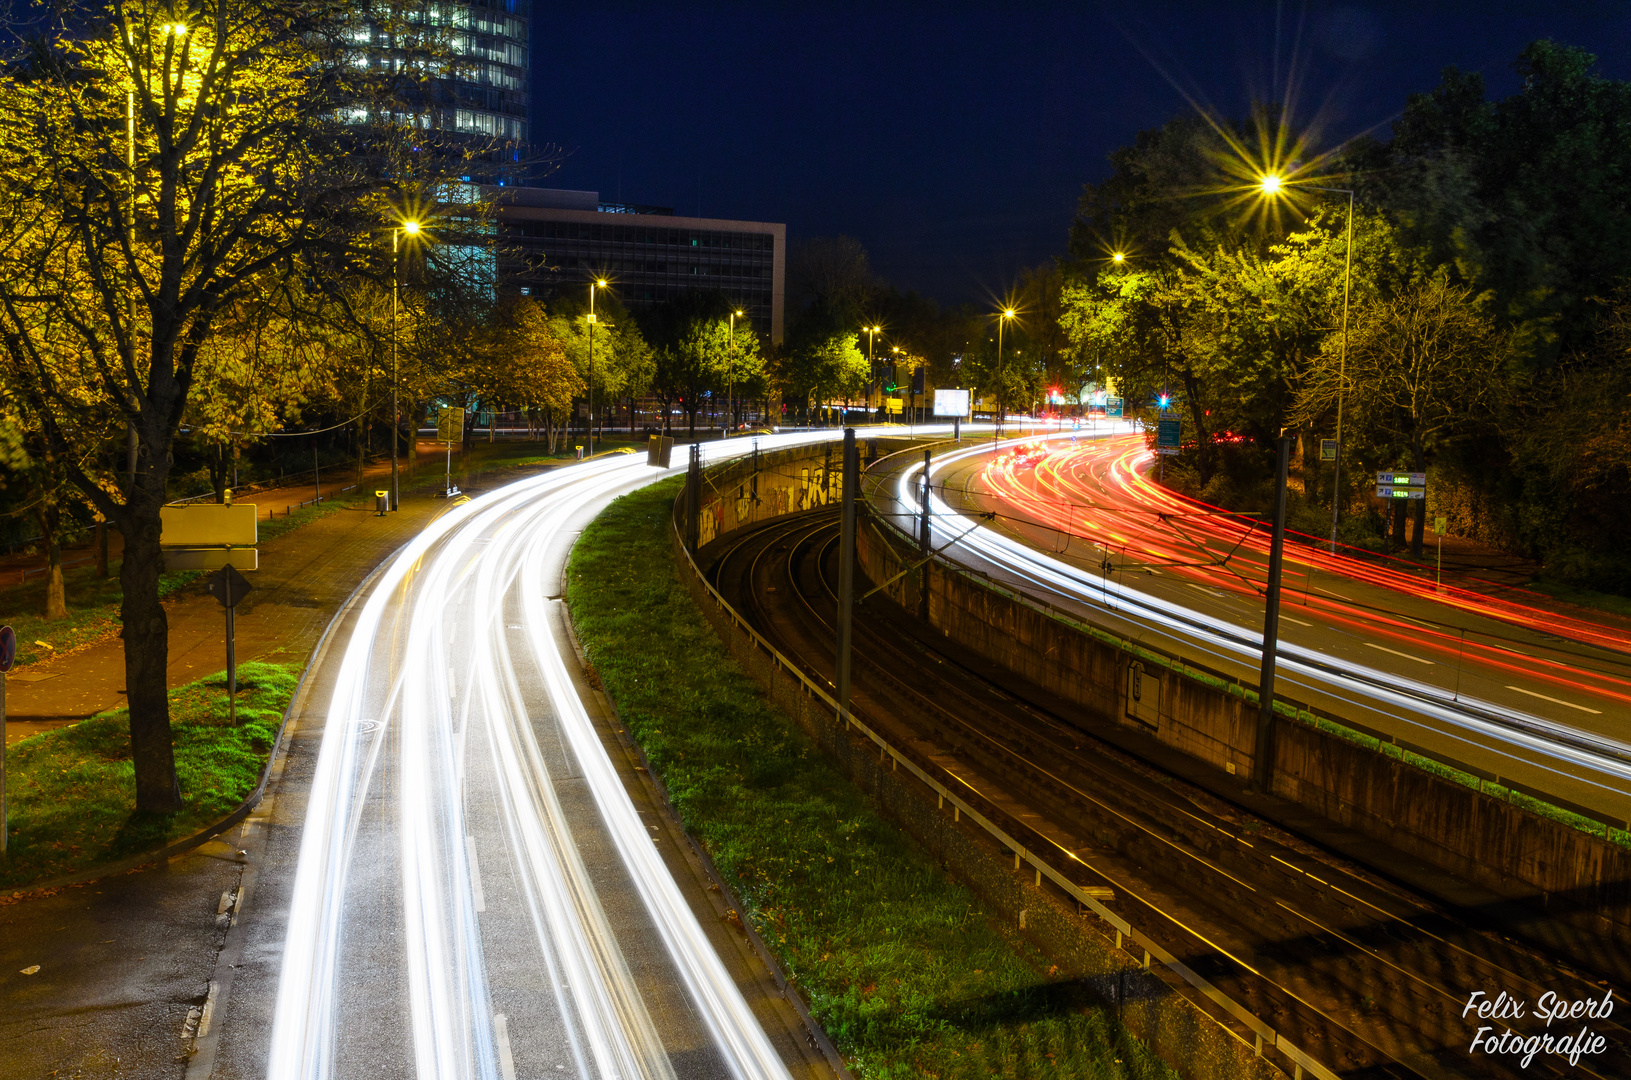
[(738, 314), (1008, 313), (411, 228), (1118, 257), (601, 282), (1270, 184), (178, 29)]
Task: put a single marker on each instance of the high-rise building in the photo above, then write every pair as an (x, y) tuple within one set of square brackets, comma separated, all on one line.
[(471, 56), (570, 237)]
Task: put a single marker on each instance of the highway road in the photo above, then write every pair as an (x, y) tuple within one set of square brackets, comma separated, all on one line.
[(475, 893), (1529, 695)]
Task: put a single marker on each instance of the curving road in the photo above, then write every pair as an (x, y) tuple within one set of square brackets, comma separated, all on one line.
[(476, 893), (1533, 697)]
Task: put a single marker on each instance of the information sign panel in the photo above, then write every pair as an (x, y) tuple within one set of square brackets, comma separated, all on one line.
[(450, 424), (1328, 449), (1169, 435), (208, 525), (951, 402), (1416, 479), (1400, 491), (1112, 408)]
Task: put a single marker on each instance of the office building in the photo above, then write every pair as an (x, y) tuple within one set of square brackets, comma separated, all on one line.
[(649, 253), (480, 49)]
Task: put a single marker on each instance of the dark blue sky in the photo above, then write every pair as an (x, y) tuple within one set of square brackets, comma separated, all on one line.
[(953, 140)]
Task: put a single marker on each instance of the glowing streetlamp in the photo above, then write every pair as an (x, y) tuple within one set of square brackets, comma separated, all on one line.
[(410, 227), (598, 283), (1271, 185), (1118, 257), (730, 373), (1007, 313)]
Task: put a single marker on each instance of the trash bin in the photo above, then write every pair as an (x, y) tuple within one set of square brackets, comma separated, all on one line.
[(382, 502)]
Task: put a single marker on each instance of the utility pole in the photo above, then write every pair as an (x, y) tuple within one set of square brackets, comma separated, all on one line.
[(693, 499), (1263, 763), (846, 571), (923, 541)]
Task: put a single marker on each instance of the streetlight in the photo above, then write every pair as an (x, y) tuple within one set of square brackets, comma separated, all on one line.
[(1007, 313), (1119, 257), (409, 227), (1270, 185), (730, 373), (598, 283)]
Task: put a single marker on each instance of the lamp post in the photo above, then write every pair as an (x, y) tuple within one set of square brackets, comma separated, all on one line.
[(1007, 313), (411, 228), (1270, 185), (598, 283), (730, 373)]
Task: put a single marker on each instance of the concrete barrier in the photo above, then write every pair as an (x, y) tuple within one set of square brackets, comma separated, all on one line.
[(1439, 812)]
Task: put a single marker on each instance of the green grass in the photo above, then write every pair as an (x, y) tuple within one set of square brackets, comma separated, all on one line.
[(72, 791), (906, 970), (1589, 598)]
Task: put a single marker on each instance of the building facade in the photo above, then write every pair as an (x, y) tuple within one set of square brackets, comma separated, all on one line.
[(479, 50), (647, 252)]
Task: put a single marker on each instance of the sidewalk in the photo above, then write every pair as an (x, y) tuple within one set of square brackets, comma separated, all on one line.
[(304, 577)]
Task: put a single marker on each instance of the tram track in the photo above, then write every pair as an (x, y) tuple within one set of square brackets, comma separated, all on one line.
[(1366, 976)]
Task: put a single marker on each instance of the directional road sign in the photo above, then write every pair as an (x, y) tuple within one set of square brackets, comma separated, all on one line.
[(1169, 435), (1414, 479), (1400, 491)]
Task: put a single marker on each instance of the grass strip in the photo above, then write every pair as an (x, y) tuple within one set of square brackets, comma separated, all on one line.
[(72, 791), (905, 969)]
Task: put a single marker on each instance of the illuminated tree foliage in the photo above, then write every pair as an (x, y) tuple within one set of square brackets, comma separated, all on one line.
[(168, 172)]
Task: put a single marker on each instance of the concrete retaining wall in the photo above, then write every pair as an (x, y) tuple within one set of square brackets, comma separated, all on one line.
[(1582, 879), (1573, 876)]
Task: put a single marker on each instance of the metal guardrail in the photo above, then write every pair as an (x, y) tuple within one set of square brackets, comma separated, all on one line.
[(1125, 931), (1286, 707)]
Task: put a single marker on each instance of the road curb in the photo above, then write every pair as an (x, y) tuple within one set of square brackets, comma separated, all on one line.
[(788, 990), (243, 810)]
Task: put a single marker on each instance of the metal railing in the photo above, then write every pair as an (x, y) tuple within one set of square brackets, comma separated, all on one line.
[(1265, 1035)]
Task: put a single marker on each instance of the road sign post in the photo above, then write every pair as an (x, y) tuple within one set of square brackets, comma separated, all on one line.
[(8, 654), (1439, 524), (229, 587), (450, 429)]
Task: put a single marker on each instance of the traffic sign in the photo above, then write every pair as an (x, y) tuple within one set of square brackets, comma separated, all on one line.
[(1328, 449), (1169, 435), (229, 587), (8, 648), (450, 424), (1400, 491), (1414, 479), (1441, 525)]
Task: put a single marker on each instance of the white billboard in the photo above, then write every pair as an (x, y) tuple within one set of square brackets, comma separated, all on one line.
[(951, 402)]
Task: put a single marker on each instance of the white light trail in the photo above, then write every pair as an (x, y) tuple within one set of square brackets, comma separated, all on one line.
[(468, 561), (1536, 740)]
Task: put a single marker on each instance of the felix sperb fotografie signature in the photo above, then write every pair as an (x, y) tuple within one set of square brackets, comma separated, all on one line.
[(1567, 1044)]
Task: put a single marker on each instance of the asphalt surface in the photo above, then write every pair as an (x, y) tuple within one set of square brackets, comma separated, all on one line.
[(174, 970), (1517, 701), (464, 873)]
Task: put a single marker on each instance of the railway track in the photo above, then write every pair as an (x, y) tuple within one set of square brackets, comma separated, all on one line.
[(1369, 978)]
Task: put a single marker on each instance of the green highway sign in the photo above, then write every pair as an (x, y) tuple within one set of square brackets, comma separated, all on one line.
[(1400, 491), (1414, 479)]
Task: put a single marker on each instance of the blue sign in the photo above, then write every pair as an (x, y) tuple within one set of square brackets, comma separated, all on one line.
[(1169, 435)]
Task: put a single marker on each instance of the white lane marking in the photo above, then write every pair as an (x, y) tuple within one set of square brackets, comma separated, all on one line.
[(1299, 622), (1329, 592), (1396, 652), (475, 872), (1203, 588), (1556, 701), (501, 1027)]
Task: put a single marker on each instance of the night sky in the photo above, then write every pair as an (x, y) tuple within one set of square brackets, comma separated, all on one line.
[(953, 140)]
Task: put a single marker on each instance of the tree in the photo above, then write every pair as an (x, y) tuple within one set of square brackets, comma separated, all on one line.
[(1421, 365), (244, 184)]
